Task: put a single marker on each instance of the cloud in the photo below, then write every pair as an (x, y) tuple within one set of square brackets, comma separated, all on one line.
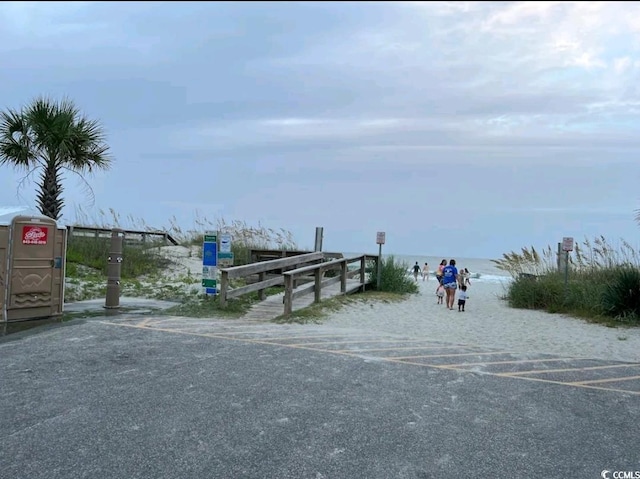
[(462, 74), (234, 105)]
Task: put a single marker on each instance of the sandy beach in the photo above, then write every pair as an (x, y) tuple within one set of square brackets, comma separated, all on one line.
[(488, 321)]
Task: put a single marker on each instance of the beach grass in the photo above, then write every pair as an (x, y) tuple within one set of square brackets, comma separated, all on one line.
[(143, 266), (394, 278), (602, 285)]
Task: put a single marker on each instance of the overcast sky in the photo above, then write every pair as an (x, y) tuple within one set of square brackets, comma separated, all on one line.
[(461, 129)]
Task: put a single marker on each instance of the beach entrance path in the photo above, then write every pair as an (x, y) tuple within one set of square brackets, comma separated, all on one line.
[(273, 306)]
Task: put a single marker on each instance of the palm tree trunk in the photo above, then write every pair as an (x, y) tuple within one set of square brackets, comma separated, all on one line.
[(49, 197)]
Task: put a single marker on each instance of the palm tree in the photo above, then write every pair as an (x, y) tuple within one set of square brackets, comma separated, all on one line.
[(52, 137)]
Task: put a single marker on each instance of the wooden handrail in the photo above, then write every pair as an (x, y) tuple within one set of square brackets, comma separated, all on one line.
[(265, 266), (289, 277), (261, 268)]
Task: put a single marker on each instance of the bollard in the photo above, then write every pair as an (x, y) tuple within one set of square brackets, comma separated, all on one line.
[(114, 267)]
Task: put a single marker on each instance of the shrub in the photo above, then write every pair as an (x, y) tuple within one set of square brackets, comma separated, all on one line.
[(603, 281), (93, 253), (621, 296), (394, 278)]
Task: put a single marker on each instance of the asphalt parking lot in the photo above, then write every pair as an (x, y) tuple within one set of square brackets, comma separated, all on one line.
[(135, 397)]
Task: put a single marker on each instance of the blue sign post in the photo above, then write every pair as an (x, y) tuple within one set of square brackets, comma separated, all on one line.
[(210, 263)]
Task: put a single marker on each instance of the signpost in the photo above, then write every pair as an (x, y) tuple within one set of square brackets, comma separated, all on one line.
[(225, 256), (567, 246), (210, 263), (380, 240)]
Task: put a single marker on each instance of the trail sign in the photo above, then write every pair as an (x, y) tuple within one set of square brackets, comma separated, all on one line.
[(567, 244), (210, 263)]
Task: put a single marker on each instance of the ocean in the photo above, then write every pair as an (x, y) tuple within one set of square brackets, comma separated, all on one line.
[(481, 269)]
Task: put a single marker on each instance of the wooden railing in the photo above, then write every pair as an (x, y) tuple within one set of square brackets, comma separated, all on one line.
[(90, 231), (318, 270), (270, 254), (262, 268)]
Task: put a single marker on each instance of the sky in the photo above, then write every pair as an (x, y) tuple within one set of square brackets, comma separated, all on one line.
[(460, 129)]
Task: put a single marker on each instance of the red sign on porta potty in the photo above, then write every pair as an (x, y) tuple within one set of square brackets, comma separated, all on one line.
[(35, 235)]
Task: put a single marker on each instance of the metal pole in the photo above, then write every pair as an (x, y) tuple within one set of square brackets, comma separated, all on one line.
[(379, 281), (566, 272), (114, 267)]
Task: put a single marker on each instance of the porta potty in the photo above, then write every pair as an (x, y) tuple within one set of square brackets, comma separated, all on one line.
[(32, 265)]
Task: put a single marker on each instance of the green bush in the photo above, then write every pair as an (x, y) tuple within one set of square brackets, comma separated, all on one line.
[(93, 253), (542, 292), (394, 278), (603, 282), (621, 296)]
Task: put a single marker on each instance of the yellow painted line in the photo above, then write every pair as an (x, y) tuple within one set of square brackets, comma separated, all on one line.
[(397, 349), (145, 322), (588, 368), (452, 355), (393, 360), (376, 341), (511, 362), (608, 380), (284, 338), (577, 385), (215, 336)]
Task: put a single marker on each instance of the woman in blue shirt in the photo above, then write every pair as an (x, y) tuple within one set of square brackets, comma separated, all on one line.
[(450, 281)]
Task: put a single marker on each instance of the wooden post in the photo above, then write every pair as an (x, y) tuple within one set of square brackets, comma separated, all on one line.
[(343, 276), (363, 273), (288, 294), (318, 245), (559, 257), (224, 287), (317, 290), (379, 268), (261, 291)]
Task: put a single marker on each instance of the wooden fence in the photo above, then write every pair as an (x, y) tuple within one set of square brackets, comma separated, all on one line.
[(270, 254), (318, 270), (262, 268), (141, 236)]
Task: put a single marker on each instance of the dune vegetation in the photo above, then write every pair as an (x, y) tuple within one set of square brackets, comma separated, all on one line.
[(154, 270), (603, 282)]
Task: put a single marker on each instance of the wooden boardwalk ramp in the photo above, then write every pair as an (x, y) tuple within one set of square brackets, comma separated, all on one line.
[(273, 306)]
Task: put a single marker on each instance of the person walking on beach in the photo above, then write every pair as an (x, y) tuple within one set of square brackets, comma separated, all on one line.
[(450, 280), (441, 266), (425, 272), (467, 277), (440, 294), (416, 271), (462, 297)]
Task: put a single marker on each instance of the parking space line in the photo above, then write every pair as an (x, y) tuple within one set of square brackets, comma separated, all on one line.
[(564, 370), (397, 349), (453, 355), (376, 341), (284, 338), (399, 360), (512, 362), (577, 385), (608, 380)]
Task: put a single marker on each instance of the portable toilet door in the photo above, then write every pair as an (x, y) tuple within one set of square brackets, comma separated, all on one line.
[(35, 273)]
